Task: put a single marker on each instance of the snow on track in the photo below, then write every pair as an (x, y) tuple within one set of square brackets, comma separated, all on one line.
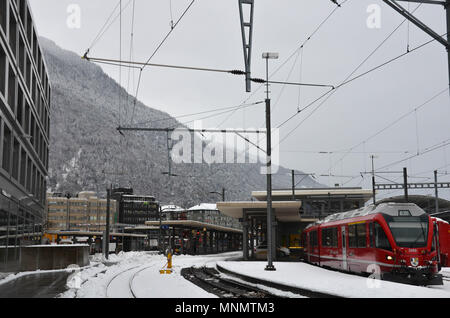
[(318, 279), (138, 273)]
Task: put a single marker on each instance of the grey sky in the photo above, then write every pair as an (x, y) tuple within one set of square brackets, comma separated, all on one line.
[(209, 36)]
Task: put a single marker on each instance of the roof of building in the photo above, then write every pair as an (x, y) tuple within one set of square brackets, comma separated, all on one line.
[(204, 207), (172, 208), (285, 211), (286, 194)]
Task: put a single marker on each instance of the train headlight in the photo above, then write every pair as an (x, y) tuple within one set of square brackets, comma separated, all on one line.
[(389, 257)]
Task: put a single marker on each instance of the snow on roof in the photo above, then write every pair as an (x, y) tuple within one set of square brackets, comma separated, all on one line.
[(172, 208), (390, 208), (439, 220), (204, 206)]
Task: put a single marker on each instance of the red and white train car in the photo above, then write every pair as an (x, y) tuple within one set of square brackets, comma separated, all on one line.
[(443, 230), (396, 241)]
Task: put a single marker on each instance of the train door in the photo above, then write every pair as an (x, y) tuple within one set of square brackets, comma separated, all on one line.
[(308, 247), (344, 248)]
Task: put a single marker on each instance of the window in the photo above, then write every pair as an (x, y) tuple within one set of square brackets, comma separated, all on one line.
[(2, 70), (329, 237), (381, 240), (352, 236), (361, 235), (19, 108), (12, 89), (13, 33), (15, 162), (6, 148), (26, 123), (23, 167), (313, 238), (357, 235), (371, 237), (409, 231), (22, 56), (29, 175), (3, 14)]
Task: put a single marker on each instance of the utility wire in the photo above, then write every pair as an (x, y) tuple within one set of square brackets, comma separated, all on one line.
[(292, 55), (155, 51), (341, 85), (106, 26), (425, 151), (391, 124), (346, 81), (198, 113)]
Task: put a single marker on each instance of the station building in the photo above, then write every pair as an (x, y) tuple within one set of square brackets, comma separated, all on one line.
[(292, 212), (24, 131)]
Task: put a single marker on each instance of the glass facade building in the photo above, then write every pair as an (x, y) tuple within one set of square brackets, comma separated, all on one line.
[(24, 131)]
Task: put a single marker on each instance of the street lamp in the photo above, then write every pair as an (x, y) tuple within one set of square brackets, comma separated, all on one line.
[(270, 243), (222, 194)]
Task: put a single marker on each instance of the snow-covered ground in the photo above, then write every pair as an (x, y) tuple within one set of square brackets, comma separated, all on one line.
[(136, 274), (318, 279)]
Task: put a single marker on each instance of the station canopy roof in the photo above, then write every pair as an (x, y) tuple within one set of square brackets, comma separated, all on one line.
[(285, 211), (316, 193)]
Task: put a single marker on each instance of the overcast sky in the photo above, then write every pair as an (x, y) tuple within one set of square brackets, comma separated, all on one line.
[(209, 36)]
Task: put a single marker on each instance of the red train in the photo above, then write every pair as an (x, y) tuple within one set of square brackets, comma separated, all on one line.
[(393, 241), (444, 241)]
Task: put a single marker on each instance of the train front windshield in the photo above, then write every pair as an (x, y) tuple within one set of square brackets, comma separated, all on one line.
[(409, 231)]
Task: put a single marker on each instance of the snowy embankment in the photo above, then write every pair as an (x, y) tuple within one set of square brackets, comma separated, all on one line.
[(137, 274), (306, 276)]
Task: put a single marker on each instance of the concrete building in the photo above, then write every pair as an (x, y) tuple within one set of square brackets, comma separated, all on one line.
[(86, 212), (24, 131)]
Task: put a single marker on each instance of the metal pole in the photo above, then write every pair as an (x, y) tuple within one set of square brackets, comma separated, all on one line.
[(108, 195), (405, 183), (293, 185), (447, 10), (270, 249), (436, 192), (373, 181), (160, 233), (223, 194)]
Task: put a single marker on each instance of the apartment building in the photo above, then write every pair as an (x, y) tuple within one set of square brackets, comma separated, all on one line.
[(85, 212)]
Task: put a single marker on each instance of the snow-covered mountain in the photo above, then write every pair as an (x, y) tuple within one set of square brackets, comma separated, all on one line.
[(87, 152)]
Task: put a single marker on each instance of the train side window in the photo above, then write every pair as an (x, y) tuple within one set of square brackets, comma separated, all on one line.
[(329, 237), (313, 238), (361, 235), (352, 236), (381, 240), (371, 237)]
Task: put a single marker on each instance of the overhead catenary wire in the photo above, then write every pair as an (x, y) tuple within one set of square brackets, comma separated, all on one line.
[(300, 47), (346, 81), (198, 113), (341, 85), (106, 26), (154, 53)]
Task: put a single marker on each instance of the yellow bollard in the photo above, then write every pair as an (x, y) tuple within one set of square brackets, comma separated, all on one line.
[(169, 265), (169, 260)]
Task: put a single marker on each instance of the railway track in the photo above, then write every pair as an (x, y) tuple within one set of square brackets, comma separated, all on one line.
[(209, 279), (129, 271)]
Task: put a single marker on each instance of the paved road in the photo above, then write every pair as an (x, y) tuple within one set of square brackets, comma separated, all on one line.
[(45, 285)]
